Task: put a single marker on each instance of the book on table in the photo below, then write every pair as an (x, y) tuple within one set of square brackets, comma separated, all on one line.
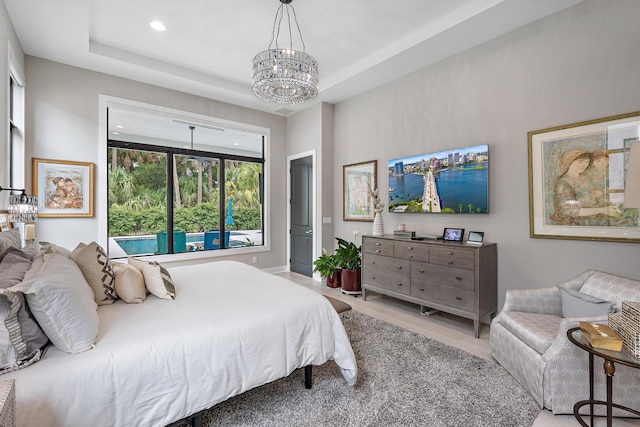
[(601, 336)]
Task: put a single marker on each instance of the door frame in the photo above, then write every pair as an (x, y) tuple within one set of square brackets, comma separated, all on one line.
[(317, 228)]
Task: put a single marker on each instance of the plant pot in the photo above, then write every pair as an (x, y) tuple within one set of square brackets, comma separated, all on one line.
[(334, 280), (351, 282)]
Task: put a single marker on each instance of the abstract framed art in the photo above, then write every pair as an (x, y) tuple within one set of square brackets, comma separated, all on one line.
[(581, 183), (358, 180), (64, 188)]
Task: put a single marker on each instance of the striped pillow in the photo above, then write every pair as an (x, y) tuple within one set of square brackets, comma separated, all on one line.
[(156, 278)]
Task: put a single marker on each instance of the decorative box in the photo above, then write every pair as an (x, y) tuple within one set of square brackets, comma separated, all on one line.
[(601, 336), (631, 312), (628, 330), (404, 234)]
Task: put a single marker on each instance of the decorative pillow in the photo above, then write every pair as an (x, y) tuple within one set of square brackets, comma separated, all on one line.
[(52, 248), (96, 268), (61, 301), (21, 339), (10, 238), (129, 283), (156, 278), (578, 304)]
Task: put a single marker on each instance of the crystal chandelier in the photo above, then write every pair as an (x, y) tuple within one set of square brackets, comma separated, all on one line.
[(22, 207), (281, 75)]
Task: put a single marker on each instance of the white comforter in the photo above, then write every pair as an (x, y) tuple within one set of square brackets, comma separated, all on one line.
[(231, 328)]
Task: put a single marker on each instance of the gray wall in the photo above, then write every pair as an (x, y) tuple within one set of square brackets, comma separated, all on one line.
[(62, 123), (577, 65)]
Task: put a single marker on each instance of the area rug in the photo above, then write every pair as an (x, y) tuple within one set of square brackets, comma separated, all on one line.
[(404, 379)]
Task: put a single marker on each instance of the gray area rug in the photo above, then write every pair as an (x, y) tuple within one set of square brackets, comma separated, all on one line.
[(404, 379)]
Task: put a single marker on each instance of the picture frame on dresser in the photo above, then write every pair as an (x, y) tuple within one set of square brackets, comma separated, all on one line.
[(358, 181), (582, 178)]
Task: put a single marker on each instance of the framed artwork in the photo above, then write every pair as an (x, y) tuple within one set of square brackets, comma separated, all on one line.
[(579, 180), (358, 180), (5, 225), (64, 188)]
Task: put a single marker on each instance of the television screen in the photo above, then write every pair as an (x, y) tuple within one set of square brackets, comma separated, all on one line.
[(452, 181)]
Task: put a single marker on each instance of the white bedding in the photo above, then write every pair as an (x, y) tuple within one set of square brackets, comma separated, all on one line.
[(231, 328)]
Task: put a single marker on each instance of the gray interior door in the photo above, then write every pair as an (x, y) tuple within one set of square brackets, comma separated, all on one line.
[(301, 232)]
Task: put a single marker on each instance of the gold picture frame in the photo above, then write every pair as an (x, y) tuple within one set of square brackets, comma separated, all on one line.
[(5, 225), (578, 180), (358, 180), (64, 188)]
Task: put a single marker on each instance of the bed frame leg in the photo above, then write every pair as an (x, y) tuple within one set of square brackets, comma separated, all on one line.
[(196, 420), (307, 376)]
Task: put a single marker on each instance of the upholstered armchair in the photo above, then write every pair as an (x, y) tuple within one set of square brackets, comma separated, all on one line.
[(529, 338)]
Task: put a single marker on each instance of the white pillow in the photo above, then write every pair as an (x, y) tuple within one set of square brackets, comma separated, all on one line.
[(156, 278), (129, 283), (62, 302), (96, 269)]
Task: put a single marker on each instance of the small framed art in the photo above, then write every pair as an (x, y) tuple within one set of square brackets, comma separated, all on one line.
[(357, 182), (64, 188)]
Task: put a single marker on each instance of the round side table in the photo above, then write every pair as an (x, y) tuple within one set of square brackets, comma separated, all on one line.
[(610, 357)]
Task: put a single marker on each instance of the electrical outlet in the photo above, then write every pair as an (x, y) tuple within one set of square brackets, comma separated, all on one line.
[(255, 259)]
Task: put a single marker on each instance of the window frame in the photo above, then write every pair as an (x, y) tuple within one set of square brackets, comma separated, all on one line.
[(106, 102)]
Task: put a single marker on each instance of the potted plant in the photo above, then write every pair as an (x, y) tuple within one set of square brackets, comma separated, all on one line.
[(328, 267), (348, 256)]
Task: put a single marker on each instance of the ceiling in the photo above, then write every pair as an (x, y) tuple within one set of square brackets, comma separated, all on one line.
[(208, 46)]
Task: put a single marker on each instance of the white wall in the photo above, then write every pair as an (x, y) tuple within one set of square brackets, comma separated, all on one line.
[(62, 123), (577, 65)]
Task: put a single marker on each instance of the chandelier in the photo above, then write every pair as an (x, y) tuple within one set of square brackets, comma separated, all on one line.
[(281, 75), (22, 207)]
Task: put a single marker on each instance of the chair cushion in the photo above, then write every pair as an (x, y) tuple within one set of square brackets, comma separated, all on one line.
[(578, 304), (611, 287), (536, 330)]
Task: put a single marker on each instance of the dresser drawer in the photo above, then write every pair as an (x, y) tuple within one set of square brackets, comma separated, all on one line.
[(460, 278), (458, 298), (411, 250), (453, 257), (389, 281), (377, 246), (388, 265)]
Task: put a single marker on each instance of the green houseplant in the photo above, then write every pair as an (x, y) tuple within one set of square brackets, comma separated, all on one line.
[(348, 256), (329, 267)]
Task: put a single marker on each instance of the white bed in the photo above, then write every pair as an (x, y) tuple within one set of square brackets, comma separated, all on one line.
[(231, 328)]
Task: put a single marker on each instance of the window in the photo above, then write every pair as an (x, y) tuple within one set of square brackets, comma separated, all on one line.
[(213, 178), (15, 141)]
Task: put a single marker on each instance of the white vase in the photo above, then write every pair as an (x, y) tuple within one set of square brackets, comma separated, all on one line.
[(378, 225)]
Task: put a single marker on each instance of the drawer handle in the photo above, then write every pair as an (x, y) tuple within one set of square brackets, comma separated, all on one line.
[(421, 271), (373, 262), (377, 244), (377, 250), (458, 278), (449, 262), (400, 268), (459, 298), (399, 284), (450, 253), (410, 248), (373, 277), (410, 256), (421, 289)]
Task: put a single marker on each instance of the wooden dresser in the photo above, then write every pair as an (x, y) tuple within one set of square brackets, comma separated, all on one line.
[(448, 276)]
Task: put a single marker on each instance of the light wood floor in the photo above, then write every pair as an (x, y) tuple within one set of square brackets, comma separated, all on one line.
[(449, 329)]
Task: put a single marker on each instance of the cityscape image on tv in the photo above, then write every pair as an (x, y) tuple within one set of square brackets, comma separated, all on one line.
[(453, 181)]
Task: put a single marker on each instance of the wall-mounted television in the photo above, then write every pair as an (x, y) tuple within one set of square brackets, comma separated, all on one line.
[(451, 181)]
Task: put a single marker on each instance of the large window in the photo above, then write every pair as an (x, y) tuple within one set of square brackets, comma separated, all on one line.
[(215, 190)]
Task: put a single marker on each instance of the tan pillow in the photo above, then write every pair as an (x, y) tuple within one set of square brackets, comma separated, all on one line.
[(129, 283), (96, 269), (52, 248), (156, 278)]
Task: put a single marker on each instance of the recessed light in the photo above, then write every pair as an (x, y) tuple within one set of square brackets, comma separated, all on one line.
[(236, 143), (116, 133), (120, 126), (158, 26)]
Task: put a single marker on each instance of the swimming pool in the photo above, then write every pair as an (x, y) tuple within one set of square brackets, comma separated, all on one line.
[(148, 244)]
